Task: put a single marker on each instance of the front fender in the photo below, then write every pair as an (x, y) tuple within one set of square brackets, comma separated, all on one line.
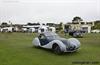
[(61, 45), (74, 41)]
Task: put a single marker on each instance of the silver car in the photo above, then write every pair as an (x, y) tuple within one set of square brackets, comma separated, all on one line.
[(51, 40)]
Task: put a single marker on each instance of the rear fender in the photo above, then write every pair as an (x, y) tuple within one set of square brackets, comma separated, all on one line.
[(36, 42), (60, 44)]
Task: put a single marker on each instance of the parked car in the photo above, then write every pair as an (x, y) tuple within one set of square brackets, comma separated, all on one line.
[(95, 31), (53, 41), (76, 33)]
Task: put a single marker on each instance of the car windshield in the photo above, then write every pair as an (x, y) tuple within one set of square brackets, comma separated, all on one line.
[(51, 35)]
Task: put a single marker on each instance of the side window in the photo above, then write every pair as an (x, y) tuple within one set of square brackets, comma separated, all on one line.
[(41, 36)]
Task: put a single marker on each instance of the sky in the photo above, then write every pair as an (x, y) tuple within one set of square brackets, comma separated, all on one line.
[(48, 11)]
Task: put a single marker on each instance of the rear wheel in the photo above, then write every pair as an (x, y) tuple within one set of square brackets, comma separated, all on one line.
[(57, 50)]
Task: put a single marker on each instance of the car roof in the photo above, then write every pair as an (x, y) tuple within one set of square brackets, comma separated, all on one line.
[(49, 33)]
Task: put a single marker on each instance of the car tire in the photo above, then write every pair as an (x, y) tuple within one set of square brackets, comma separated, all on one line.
[(57, 50)]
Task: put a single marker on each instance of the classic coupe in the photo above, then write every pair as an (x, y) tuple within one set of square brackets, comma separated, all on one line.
[(53, 41)]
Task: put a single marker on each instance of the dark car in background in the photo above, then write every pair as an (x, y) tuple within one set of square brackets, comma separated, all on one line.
[(76, 33)]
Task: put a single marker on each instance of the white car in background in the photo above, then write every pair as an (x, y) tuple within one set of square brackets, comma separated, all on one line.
[(95, 31), (51, 40)]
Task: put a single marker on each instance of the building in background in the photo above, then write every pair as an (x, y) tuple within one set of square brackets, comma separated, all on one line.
[(84, 26)]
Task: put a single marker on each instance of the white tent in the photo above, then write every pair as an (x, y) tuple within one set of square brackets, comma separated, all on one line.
[(52, 29), (7, 29), (42, 29)]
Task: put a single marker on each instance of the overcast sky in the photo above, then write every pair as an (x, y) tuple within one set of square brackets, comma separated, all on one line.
[(23, 11)]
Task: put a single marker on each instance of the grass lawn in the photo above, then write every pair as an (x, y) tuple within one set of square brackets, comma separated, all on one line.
[(17, 49)]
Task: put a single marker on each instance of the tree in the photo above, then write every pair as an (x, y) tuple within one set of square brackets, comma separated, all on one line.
[(3, 24), (10, 23), (60, 27), (29, 23), (33, 23), (50, 24), (97, 25), (77, 19)]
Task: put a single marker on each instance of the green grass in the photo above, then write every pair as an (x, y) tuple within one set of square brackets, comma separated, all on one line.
[(17, 49)]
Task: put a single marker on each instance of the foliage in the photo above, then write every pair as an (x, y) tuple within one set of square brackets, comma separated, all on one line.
[(60, 26), (50, 24), (97, 25), (4, 24), (77, 19), (33, 23)]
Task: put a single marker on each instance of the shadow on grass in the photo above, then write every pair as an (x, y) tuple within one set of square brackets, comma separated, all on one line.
[(51, 52)]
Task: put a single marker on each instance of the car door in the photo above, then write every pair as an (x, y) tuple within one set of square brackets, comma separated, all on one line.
[(43, 40)]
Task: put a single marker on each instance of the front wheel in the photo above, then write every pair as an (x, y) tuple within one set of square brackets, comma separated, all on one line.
[(57, 50)]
